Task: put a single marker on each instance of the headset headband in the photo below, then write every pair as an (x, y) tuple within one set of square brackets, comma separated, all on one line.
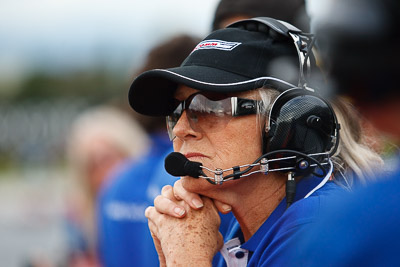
[(302, 41)]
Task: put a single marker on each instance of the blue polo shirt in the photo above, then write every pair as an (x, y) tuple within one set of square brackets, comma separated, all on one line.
[(361, 228), (269, 245)]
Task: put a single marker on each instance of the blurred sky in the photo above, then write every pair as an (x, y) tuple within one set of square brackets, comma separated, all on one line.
[(65, 35)]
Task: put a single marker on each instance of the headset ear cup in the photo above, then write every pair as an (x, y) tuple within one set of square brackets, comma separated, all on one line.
[(301, 121)]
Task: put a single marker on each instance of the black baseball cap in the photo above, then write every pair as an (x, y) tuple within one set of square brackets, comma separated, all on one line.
[(227, 61)]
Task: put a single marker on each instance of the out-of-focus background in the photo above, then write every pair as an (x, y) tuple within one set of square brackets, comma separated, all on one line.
[(57, 59)]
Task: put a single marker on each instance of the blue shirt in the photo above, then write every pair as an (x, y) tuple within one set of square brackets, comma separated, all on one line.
[(124, 237), (361, 228), (269, 245)]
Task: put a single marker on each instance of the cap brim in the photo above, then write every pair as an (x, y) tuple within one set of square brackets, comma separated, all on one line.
[(151, 93)]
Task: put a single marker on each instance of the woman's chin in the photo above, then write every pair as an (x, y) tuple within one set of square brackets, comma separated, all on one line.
[(196, 185)]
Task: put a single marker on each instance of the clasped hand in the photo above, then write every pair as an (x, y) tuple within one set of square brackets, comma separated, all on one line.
[(184, 227)]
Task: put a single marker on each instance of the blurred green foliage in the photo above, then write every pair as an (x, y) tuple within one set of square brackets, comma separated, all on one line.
[(94, 85)]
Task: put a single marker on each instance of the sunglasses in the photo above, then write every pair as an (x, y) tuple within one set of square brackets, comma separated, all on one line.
[(210, 112)]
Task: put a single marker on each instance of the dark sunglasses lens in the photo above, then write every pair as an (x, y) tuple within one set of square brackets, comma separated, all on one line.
[(209, 115), (172, 120), (205, 113)]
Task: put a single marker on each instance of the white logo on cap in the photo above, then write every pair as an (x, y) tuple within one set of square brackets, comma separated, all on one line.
[(216, 44)]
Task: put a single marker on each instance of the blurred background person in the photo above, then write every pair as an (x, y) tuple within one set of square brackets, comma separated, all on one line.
[(101, 139), (360, 44), (124, 236), (344, 69), (292, 11)]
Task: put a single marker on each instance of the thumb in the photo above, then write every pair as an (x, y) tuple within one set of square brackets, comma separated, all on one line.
[(222, 207)]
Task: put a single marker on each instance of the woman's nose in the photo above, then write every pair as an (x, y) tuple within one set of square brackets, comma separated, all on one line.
[(183, 130)]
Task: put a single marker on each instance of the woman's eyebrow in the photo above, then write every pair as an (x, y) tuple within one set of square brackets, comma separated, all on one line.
[(181, 94), (179, 97)]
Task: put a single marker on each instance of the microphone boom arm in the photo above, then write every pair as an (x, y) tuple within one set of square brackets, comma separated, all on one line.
[(263, 162)]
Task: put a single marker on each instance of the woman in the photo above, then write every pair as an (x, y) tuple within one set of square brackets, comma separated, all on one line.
[(228, 104)]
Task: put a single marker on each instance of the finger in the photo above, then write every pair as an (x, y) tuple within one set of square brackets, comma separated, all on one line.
[(222, 207), (153, 229), (192, 199), (149, 212), (166, 206), (168, 192)]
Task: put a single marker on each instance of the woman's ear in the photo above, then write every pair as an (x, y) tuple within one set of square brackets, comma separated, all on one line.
[(265, 137), (266, 126), (270, 128)]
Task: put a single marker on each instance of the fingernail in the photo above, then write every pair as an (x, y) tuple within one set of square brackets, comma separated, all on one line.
[(226, 207), (179, 211), (197, 203)]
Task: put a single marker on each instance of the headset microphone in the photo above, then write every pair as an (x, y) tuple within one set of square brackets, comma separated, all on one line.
[(177, 164)]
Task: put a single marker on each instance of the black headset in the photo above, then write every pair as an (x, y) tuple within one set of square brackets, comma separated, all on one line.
[(303, 129), (300, 119)]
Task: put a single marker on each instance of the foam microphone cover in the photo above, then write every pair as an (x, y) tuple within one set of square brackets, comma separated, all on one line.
[(177, 164)]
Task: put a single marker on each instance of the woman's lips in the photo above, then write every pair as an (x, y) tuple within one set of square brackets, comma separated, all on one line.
[(194, 155)]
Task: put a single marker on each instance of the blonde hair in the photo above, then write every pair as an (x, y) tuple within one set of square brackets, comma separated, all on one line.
[(112, 124), (354, 158)]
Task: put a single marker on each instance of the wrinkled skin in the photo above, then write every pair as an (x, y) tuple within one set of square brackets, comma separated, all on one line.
[(192, 240)]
